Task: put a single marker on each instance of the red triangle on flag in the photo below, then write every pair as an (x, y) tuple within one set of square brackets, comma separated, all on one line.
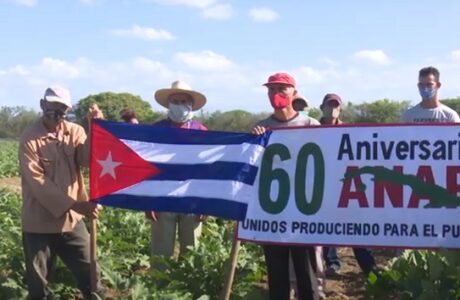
[(114, 166)]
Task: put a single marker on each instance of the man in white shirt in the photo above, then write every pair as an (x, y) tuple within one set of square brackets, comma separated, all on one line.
[(430, 109)]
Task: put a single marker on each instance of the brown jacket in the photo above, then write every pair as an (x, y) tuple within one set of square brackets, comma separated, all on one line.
[(51, 176)]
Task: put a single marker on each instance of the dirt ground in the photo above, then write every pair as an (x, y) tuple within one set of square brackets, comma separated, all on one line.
[(13, 183), (349, 284)]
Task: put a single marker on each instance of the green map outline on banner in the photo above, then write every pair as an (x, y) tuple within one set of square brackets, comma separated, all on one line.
[(439, 196)]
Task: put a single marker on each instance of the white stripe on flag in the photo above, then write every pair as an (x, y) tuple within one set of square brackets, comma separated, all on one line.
[(230, 190), (196, 154)]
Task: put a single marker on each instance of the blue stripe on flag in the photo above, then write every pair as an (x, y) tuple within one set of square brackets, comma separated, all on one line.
[(195, 205), (168, 135), (218, 170)]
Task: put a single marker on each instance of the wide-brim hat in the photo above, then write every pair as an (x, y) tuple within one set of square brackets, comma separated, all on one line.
[(162, 95)]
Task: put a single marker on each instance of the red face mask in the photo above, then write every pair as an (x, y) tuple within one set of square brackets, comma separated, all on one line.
[(279, 100)]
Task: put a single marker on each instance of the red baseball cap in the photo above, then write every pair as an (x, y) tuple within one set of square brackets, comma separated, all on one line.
[(283, 78)]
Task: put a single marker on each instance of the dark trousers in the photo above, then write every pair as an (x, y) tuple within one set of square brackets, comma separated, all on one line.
[(363, 256), (277, 260), (41, 250)]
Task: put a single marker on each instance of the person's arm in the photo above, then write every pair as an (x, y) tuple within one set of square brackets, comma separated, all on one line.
[(82, 147), (83, 142)]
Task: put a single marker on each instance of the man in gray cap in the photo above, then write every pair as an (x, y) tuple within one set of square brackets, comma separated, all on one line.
[(52, 152)]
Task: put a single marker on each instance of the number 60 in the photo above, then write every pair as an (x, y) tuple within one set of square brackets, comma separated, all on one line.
[(267, 175)]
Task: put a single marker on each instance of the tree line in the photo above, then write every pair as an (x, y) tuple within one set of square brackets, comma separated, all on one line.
[(13, 120)]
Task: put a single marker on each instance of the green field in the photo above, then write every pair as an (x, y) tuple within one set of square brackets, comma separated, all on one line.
[(123, 253)]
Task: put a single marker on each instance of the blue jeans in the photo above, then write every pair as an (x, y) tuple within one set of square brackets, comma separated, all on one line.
[(363, 256)]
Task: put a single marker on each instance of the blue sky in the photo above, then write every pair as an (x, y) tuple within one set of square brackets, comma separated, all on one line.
[(363, 50)]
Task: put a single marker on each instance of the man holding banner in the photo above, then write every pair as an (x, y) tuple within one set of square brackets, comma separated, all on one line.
[(430, 109), (331, 109), (281, 91)]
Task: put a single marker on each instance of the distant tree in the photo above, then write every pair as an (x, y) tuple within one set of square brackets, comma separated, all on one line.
[(315, 113), (379, 111), (112, 103), (234, 120), (453, 103), (13, 120)]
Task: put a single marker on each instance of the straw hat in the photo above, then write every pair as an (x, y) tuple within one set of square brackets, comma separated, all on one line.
[(162, 95)]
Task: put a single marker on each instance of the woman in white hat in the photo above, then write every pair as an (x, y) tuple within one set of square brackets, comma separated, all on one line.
[(181, 101)]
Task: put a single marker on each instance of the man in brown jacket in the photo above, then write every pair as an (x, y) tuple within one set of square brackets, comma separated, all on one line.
[(52, 152)]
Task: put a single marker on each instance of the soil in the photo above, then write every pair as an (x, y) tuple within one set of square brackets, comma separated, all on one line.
[(348, 284), (12, 183)]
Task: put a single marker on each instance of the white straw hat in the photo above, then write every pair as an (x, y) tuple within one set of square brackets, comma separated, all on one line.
[(162, 95)]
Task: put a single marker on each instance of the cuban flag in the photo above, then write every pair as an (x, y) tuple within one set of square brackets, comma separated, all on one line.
[(145, 167)]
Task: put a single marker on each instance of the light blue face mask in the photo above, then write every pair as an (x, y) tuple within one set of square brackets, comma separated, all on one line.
[(427, 92), (180, 113)]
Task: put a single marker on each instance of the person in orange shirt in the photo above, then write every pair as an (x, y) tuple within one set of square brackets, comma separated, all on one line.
[(52, 152)]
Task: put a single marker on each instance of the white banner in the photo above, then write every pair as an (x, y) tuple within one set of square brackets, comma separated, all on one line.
[(389, 186)]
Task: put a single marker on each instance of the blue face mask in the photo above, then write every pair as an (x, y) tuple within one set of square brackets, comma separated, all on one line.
[(427, 92)]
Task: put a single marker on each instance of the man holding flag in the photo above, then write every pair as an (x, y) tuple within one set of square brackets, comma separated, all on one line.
[(281, 92), (181, 101), (52, 152)]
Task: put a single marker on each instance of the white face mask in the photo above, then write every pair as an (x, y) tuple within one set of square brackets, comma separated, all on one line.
[(331, 112), (180, 113)]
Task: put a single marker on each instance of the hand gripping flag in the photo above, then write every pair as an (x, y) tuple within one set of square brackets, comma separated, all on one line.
[(145, 167)]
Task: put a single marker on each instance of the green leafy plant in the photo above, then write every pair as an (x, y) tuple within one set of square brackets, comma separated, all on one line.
[(9, 163), (418, 274)]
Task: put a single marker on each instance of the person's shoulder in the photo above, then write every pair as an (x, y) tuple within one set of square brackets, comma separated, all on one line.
[(448, 109), (162, 122), (452, 114), (415, 107), (264, 122), (73, 128), (32, 131), (407, 114), (194, 124), (307, 120)]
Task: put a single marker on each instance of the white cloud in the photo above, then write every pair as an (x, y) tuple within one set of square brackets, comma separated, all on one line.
[(204, 61), (374, 56), (58, 68), (29, 3), (192, 3), (146, 65), (145, 33), (216, 76), (328, 61), (310, 75), (263, 14), (455, 55), (218, 12), (88, 2), (19, 70)]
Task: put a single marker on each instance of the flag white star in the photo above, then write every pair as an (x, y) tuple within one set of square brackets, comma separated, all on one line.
[(108, 166)]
